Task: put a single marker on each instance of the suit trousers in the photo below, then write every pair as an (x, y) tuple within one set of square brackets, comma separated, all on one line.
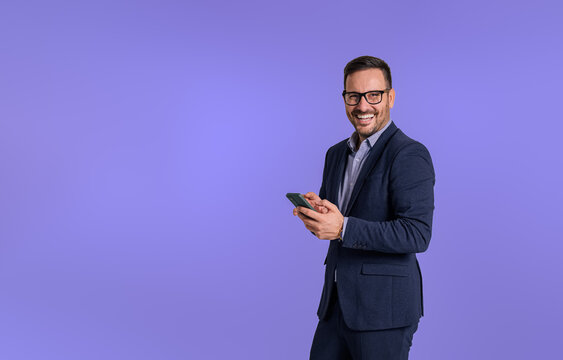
[(334, 340)]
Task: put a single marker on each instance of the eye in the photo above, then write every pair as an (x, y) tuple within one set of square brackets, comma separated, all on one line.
[(373, 96), (352, 98)]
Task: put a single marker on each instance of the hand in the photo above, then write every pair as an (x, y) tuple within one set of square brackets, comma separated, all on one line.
[(326, 225), (315, 201)]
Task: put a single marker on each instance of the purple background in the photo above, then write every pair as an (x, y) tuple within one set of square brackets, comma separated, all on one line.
[(146, 148)]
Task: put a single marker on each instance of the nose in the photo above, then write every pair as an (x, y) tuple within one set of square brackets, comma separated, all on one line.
[(363, 105)]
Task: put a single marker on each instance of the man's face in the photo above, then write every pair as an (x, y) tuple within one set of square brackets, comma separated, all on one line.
[(365, 117)]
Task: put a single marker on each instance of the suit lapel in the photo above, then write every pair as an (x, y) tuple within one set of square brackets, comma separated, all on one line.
[(338, 175), (370, 162)]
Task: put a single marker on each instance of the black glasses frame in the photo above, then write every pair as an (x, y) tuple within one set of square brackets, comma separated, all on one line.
[(381, 92)]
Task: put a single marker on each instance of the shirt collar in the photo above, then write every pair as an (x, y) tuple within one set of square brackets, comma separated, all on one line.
[(353, 140)]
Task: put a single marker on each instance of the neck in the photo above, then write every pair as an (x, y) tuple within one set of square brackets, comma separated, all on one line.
[(361, 138)]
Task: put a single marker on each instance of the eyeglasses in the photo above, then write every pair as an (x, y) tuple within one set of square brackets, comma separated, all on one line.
[(372, 97)]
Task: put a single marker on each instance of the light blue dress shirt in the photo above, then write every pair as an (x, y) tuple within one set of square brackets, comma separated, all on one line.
[(356, 160)]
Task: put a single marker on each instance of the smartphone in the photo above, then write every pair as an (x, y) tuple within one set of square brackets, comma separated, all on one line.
[(298, 200)]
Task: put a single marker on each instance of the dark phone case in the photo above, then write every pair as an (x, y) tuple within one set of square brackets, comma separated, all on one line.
[(298, 200)]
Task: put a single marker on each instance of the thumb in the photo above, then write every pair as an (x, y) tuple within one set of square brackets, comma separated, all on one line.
[(329, 205)]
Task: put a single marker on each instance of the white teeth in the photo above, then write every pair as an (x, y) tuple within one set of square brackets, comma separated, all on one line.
[(364, 116)]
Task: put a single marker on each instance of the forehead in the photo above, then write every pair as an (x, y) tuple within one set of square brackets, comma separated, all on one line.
[(365, 80)]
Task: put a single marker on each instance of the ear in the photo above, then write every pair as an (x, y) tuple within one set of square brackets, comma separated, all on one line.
[(391, 98)]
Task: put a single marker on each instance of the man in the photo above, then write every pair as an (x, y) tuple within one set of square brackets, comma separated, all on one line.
[(375, 206)]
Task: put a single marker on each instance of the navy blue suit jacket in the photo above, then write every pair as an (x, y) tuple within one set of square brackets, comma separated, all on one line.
[(389, 221)]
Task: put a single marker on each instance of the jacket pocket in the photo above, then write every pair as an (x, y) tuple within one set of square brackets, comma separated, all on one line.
[(385, 269)]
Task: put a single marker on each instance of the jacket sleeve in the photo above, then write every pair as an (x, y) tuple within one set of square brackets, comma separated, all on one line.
[(322, 191), (411, 196)]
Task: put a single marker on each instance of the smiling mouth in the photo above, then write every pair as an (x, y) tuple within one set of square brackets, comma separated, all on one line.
[(364, 118)]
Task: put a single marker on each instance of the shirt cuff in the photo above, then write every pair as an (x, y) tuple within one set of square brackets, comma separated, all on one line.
[(344, 226)]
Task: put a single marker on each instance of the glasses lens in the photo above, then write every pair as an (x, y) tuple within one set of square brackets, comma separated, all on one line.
[(373, 97), (352, 99)]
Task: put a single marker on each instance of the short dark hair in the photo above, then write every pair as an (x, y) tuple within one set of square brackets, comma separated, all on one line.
[(368, 62)]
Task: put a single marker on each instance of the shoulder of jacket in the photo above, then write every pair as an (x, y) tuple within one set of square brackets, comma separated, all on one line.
[(400, 141), (337, 147)]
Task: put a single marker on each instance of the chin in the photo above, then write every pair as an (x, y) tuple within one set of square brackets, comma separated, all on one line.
[(366, 132)]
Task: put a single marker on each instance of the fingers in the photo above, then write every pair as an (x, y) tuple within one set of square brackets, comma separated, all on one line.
[(322, 209), (329, 205), (312, 196), (308, 222), (322, 206), (308, 212)]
